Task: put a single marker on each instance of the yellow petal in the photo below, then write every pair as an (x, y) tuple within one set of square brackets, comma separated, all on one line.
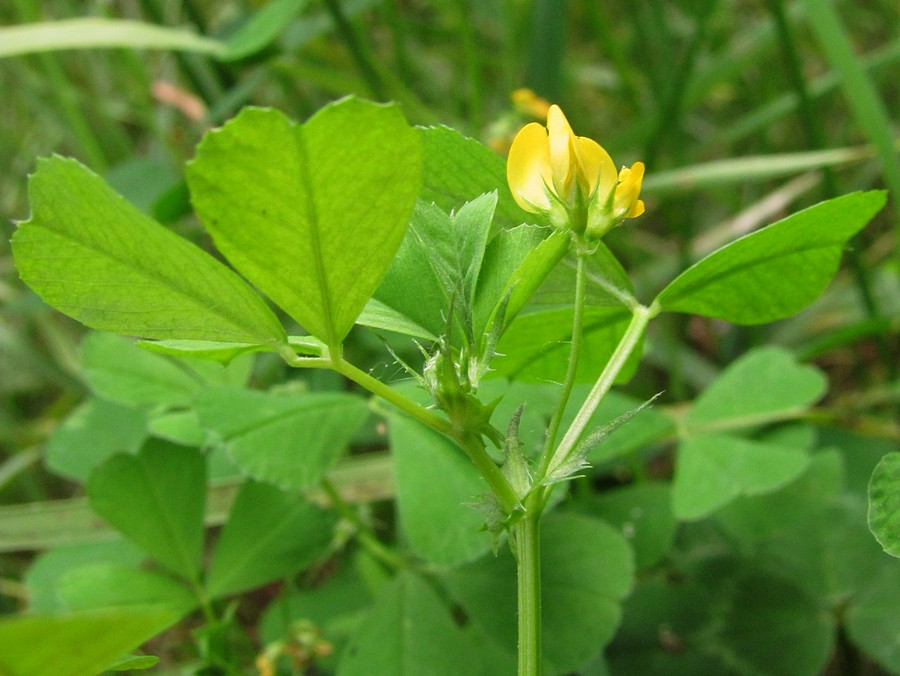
[(562, 152), (597, 170), (636, 210), (628, 190), (528, 168)]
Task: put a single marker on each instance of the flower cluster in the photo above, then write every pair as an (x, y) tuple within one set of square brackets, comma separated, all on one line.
[(571, 179)]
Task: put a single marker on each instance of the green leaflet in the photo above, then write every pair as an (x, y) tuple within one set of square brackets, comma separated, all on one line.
[(312, 215), (458, 169), (535, 348), (76, 643), (440, 258), (105, 585), (409, 631), (286, 439), (884, 503), (774, 272), (734, 400), (269, 534), (720, 620), (51, 566), (156, 499), (91, 433), (714, 469), (436, 484), (120, 372), (95, 257)]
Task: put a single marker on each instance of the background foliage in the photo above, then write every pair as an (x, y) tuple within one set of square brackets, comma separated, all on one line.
[(743, 112)]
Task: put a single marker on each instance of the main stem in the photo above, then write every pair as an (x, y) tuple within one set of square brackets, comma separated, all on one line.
[(470, 443), (527, 534)]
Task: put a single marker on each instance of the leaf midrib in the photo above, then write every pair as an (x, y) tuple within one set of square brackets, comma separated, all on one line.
[(307, 187)]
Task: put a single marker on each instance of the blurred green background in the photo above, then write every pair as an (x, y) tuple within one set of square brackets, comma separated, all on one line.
[(743, 111)]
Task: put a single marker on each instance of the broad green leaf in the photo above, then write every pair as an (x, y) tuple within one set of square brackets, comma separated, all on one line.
[(96, 32), (156, 500), (413, 286), (104, 585), (179, 427), (119, 371), (713, 469), (49, 567), (436, 488), (471, 224), (287, 439), (93, 256), (723, 619), (261, 29), (377, 315), (884, 503), (754, 520), (763, 385), (530, 273), (774, 272), (312, 215), (536, 346), (409, 631), (226, 352), (586, 568), (94, 431), (643, 515), (810, 532), (607, 283), (872, 618), (75, 644), (458, 169), (504, 254), (440, 258), (828, 551), (269, 534)]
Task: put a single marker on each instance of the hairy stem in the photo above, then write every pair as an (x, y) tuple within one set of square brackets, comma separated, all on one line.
[(527, 535), (470, 443)]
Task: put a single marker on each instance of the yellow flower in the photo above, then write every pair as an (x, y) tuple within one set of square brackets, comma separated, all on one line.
[(570, 178), (529, 103)]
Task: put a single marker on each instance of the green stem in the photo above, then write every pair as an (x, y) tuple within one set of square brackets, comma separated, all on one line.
[(470, 443), (574, 355), (633, 334), (527, 534), (408, 406), (473, 445), (362, 531)]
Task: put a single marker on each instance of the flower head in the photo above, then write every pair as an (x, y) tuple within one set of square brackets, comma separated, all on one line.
[(570, 178)]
